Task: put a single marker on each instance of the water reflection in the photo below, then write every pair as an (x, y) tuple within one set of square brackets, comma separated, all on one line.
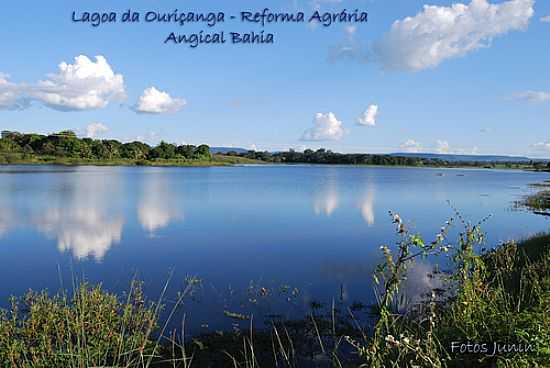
[(326, 200), (7, 221), (367, 206), (157, 206), (85, 231), (421, 280), (78, 214)]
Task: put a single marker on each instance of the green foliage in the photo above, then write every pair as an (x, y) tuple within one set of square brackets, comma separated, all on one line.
[(323, 156), (500, 297), (91, 328), (66, 145)]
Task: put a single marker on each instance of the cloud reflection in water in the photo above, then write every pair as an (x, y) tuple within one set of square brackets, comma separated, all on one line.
[(367, 206), (326, 200), (80, 215), (157, 208), (86, 232)]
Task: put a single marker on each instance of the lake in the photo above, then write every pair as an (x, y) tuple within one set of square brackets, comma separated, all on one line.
[(296, 233)]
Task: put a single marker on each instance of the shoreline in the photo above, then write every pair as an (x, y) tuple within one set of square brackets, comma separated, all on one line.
[(217, 161), (228, 161)]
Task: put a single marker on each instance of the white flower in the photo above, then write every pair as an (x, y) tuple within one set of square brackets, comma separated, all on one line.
[(396, 218)]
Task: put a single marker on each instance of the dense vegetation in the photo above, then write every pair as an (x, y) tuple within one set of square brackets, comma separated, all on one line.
[(66, 145), (501, 296), (538, 202), (323, 156), (66, 148)]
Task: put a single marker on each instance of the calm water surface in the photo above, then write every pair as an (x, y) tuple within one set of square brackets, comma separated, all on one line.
[(314, 228)]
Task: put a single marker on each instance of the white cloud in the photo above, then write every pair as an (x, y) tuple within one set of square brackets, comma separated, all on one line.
[(533, 96), (545, 19), (151, 138), (412, 146), (542, 146), (153, 101), (347, 51), (317, 4), (10, 94), (326, 127), (350, 30), (94, 129), (442, 146), (439, 33), (368, 117), (83, 85)]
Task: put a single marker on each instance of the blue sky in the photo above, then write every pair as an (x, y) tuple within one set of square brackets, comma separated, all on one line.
[(470, 78)]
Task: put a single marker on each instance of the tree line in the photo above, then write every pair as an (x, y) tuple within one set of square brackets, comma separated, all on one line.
[(66, 144), (324, 156)]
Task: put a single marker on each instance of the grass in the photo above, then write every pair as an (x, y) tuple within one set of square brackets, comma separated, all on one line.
[(538, 202), (217, 160), (500, 296), (91, 328)]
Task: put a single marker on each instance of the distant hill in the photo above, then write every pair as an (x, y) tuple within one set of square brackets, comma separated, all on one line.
[(470, 158), (224, 150)]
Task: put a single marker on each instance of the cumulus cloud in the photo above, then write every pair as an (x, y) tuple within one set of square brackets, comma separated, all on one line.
[(94, 129), (545, 19), (83, 85), (541, 146), (368, 117), (533, 96), (350, 30), (317, 4), (349, 48), (347, 51), (442, 146), (326, 127), (438, 33), (10, 95), (153, 101), (412, 146)]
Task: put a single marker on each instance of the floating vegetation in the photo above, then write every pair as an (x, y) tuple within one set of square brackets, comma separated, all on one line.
[(538, 202), (234, 315)]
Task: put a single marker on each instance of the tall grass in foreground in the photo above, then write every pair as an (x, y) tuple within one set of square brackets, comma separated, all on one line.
[(501, 296)]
